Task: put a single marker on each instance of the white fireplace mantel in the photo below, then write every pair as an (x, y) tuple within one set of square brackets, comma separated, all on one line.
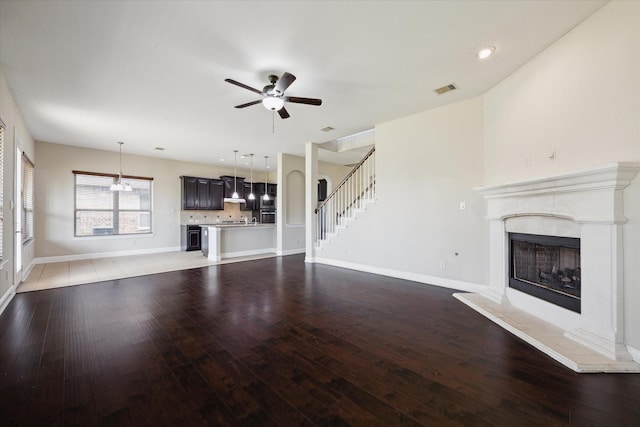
[(586, 204)]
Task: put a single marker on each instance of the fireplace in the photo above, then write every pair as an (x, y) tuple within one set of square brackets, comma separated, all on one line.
[(585, 210), (546, 267)]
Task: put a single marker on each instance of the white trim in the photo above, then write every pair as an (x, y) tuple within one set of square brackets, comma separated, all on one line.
[(291, 252), (613, 176), (252, 252), (405, 275), (635, 353), (7, 297), (79, 257), (116, 236)]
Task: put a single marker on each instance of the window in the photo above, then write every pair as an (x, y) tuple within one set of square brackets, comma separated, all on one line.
[(27, 199), (102, 212)]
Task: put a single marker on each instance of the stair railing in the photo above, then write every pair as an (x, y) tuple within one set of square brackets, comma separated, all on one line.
[(353, 191)]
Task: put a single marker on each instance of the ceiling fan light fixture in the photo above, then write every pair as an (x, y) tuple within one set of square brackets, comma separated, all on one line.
[(272, 103)]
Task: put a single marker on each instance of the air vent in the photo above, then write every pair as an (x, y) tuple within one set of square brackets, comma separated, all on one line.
[(445, 89), (327, 129)]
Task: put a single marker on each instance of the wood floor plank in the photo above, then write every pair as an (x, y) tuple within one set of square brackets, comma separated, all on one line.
[(278, 342)]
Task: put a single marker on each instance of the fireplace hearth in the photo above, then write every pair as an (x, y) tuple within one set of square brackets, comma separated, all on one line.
[(546, 267)]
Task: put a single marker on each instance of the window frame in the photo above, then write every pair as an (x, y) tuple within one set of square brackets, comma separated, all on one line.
[(28, 198), (116, 211)]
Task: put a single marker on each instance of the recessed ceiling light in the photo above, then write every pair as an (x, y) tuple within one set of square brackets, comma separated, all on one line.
[(486, 52), (222, 160), (327, 129)]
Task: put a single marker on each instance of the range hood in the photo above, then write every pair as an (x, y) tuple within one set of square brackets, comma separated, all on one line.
[(232, 200)]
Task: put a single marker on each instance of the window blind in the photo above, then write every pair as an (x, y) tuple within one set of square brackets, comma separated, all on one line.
[(100, 211), (27, 199)]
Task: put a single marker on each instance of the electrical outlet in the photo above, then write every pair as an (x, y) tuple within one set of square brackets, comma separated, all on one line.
[(527, 160), (443, 265)]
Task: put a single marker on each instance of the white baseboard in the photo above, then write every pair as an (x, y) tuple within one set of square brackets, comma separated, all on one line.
[(95, 255), (7, 297), (252, 252), (291, 252), (414, 277), (635, 354)]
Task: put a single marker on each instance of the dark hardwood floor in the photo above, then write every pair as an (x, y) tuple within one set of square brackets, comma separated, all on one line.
[(278, 342)]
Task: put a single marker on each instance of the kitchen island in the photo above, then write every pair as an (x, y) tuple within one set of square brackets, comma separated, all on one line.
[(236, 240)]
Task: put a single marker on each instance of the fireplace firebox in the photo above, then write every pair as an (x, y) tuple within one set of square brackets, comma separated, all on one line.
[(546, 267)]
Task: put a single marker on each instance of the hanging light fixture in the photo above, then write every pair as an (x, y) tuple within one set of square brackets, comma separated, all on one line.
[(235, 198), (266, 166), (251, 195), (119, 185)]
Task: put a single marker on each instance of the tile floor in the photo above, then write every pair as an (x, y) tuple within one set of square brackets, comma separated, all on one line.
[(58, 274), (545, 337)]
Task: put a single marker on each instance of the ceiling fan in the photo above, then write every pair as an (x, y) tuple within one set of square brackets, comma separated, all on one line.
[(273, 97)]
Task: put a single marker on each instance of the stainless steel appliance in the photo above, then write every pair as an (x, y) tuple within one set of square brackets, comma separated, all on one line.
[(268, 204), (268, 216)]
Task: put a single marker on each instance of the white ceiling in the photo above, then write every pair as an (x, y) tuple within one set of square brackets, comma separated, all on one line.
[(151, 73)]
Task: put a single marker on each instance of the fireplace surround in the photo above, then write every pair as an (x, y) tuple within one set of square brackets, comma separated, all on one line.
[(585, 205)]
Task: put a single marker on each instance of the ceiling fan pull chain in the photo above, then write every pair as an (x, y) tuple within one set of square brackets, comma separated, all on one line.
[(273, 122)]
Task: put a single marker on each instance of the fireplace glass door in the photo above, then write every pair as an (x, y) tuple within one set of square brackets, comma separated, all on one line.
[(547, 267)]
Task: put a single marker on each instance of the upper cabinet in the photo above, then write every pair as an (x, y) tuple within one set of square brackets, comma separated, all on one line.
[(216, 194), (202, 193), (232, 184), (272, 190), (189, 193)]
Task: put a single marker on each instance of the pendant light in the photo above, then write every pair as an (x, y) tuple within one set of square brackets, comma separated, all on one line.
[(235, 198), (251, 195), (119, 186), (266, 166)]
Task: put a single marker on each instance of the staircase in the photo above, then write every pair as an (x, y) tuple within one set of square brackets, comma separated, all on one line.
[(348, 199)]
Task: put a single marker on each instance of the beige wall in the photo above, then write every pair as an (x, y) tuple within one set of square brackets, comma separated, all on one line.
[(579, 97), (55, 199), (15, 134), (426, 164)]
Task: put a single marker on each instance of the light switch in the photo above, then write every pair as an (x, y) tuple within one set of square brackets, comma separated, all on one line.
[(463, 206)]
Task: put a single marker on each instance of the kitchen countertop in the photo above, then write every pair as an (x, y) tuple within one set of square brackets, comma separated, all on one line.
[(238, 225)]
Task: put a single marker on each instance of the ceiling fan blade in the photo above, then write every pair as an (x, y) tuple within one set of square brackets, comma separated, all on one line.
[(283, 113), (249, 104), (284, 82), (244, 86), (309, 101)]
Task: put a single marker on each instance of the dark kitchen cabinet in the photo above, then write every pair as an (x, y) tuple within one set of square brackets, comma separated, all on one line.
[(232, 184), (272, 190), (216, 194), (189, 192), (258, 190), (322, 189), (202, 193), (190, 237), (251, 204)]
